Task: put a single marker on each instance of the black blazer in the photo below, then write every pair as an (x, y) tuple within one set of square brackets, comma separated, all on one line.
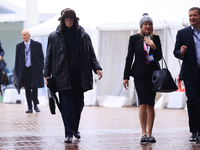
[(136, 49), (1, 54), (189, 68), (37, 63)]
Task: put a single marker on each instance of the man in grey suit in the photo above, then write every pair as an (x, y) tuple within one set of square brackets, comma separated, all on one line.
[(29, 65)]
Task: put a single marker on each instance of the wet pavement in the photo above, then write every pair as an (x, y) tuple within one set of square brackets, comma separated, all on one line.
[(101, 129)]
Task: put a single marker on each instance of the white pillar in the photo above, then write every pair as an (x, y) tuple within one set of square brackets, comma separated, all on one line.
[(32, 15)]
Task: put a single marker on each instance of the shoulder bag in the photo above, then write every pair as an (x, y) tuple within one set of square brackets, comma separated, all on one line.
[(162, 80), (4, 77)]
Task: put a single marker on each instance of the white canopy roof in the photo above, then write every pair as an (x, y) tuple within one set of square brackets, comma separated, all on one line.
[(160, 24), (122, 15)]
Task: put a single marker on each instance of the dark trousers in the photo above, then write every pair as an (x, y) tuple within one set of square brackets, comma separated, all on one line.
[(71, 104), (30, 88), (0, 82), (193, 103)]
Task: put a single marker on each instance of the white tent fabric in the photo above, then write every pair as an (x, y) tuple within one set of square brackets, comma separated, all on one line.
[(111, 39), (109, 27), (112, 53)]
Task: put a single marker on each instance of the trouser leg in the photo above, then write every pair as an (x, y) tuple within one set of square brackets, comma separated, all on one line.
[(26, 80), (78, 103), (193, 104), (66, 108), (34, 94), (28, 97)]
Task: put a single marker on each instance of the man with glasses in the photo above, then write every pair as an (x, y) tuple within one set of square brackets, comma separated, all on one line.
[(29, 65)]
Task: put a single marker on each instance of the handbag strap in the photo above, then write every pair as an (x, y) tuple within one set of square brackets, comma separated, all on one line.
[(164, 62)]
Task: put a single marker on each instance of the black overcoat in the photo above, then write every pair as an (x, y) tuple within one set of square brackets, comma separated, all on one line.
[(56, 64), (37, 64)]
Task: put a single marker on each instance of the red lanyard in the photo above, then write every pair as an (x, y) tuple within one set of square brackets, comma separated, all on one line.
[(146, 47)]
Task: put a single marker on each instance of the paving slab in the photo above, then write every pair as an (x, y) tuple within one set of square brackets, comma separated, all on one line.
[(101, 129)]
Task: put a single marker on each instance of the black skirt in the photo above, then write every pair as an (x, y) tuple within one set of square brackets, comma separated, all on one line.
[(144, 87)]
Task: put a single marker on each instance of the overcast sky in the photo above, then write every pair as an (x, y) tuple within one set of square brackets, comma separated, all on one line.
[(117, 10)]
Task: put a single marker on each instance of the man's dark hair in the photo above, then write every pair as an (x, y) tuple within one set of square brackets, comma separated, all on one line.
[(195, 8)]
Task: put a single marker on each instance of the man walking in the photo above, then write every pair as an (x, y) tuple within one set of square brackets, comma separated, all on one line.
[(29, 65), (70, 59), (187, 48)]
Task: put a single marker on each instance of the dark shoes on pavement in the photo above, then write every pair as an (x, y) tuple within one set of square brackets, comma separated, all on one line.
[(36, 109), (68, 140), (29, 111), (193, 137), (77, 134), (149, 139), (198, 139), (143, 138)]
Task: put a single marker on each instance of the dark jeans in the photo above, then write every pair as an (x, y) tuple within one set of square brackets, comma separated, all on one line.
[(193, 103), (71, 104), (30, 88)]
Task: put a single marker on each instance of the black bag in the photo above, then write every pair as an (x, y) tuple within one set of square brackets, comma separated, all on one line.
[(4, 77), (163, 81), (52, 95), (51, 84), (52, 105)]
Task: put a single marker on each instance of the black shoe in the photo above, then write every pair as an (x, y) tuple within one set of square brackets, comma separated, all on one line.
[(29, 111), (193, 137), (144, 138), (36, 109), (68, 140), (77, 134), (151, 139), (198, 138)]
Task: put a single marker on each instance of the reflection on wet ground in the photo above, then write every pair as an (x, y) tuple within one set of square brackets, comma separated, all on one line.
[(101, 129)]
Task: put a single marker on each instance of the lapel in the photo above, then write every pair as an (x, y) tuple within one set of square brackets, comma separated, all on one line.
[(140, 42), (141, 46), (22, 51), (32, 49), (190, 37)]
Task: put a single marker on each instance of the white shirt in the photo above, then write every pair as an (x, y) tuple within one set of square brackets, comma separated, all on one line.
[(27, 53)]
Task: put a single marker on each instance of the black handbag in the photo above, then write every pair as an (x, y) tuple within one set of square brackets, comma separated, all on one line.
[(163, 81), (52, 105), (4, 77), (52, 96)]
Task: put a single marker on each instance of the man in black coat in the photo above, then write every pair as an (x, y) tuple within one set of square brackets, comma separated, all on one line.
[(70, 59), (187, 48), (28, 71)]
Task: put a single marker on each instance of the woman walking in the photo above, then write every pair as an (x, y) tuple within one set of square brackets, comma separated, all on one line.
[(146, 48)]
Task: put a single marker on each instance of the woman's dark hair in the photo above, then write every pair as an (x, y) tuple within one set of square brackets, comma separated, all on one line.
[(68, 13)]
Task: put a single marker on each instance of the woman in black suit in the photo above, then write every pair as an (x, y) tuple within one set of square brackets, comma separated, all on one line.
[(146, 48)]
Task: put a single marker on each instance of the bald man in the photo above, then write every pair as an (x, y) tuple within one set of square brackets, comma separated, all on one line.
[(29, 65)]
